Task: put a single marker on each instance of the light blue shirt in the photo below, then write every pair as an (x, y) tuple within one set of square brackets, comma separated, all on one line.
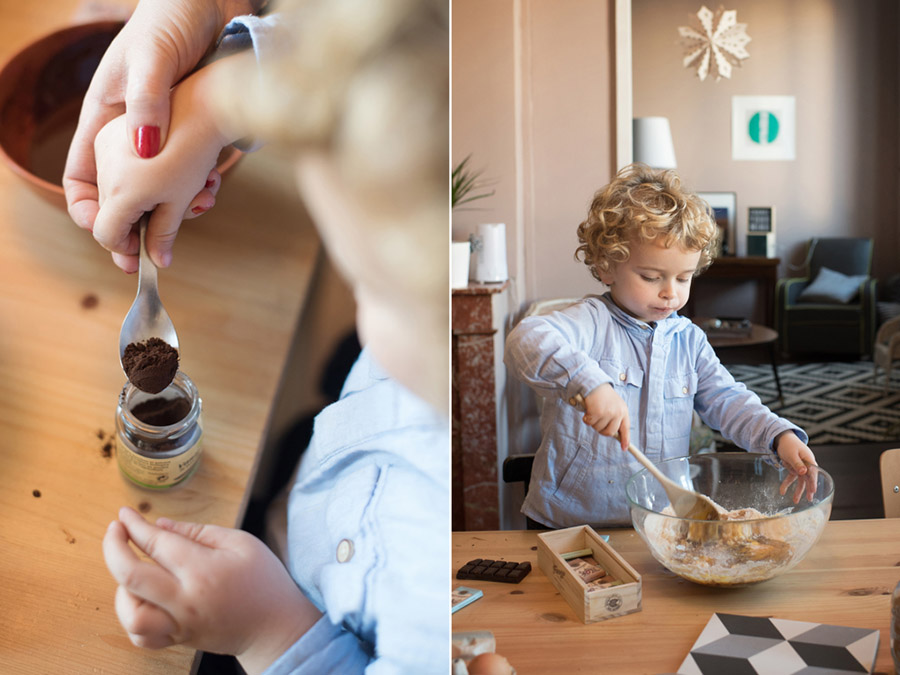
[(368, 533), (663, 372)]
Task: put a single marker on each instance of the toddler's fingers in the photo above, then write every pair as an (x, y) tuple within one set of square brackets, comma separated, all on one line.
[(162, 230), (165, 547), (127, 263), (146, 624), (210, 536), (143, 579), (624, 434), (114, 227)]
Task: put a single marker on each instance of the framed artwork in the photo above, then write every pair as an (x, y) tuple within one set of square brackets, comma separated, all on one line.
[(761, 219), (724, 209), (763, 127)]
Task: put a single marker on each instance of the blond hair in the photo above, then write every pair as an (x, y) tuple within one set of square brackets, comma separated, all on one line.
[(368, 81), (642, 204)]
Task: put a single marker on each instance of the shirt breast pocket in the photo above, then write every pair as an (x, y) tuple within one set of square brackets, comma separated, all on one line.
[(678, 406), (627, 380)]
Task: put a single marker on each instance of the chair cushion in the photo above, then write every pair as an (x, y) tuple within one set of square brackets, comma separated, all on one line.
[(832, 287)]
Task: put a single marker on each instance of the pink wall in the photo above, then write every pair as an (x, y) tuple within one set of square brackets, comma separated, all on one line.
[(839, 60), (533, 99)]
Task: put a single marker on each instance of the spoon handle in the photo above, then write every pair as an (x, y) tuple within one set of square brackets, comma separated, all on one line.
[(147, 273), (577, 402), (650, 466)]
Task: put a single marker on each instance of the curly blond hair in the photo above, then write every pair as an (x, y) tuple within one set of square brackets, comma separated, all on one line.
[(644, 204)]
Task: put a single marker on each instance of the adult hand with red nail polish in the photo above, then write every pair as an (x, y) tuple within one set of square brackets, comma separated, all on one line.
[(162, 42), (176, 185)]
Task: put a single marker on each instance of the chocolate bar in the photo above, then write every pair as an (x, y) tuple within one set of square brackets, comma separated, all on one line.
[(494, 570)]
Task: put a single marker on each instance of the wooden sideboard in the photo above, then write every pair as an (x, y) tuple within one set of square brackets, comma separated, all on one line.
[(763, 271)]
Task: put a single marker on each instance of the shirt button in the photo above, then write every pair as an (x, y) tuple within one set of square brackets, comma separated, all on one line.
[(684, 390), (344, 550), (622, 376)]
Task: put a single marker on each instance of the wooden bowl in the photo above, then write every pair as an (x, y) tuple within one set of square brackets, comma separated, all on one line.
[(41, 90)]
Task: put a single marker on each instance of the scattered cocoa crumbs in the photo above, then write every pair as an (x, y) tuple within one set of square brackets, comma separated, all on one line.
[(69, 538), (90, 301), (161, 412), (36, 493), (106, 450), (144, 507), (150, 365), (101, 434)]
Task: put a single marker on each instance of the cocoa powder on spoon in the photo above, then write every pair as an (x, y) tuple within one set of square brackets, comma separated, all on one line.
[(150, 365)]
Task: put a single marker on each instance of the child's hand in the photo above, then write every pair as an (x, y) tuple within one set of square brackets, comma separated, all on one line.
[(801, 462), (607, 413), (212, 588), (179, 183)]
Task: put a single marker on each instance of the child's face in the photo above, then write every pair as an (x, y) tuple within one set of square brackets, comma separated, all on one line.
[(654, 282)]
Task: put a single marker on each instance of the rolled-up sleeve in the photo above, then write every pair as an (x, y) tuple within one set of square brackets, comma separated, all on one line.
[(551, 353)]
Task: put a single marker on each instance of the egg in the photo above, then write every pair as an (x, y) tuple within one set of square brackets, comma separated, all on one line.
[(490, 664)]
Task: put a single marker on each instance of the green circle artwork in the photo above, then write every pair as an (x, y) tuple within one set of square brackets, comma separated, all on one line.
[(763, 128)]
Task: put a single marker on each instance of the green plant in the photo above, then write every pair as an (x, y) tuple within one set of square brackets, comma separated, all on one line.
[(465, 181)]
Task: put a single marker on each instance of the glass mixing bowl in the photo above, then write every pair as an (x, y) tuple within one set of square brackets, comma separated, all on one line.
[(770, 537)]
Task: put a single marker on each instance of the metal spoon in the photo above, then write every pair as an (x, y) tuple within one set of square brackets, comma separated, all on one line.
[(685, 503), (147, 317)]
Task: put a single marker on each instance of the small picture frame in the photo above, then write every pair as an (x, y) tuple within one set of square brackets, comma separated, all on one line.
[(761, 219), (724, 209)]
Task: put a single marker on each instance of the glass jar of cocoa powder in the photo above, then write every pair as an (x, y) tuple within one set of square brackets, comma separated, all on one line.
[(158, 435)]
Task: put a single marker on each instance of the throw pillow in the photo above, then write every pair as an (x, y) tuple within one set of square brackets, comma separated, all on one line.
[(832, 287)]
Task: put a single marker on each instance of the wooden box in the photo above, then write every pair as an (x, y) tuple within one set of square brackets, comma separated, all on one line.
[(590, 605)]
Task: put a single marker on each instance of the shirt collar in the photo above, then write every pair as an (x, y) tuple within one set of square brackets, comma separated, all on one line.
[(672, 324)]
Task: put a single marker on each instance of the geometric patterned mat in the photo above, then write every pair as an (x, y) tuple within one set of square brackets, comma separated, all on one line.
[(737, 645), (835, 403)]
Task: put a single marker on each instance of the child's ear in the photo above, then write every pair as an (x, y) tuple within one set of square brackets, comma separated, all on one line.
[(607, 277)]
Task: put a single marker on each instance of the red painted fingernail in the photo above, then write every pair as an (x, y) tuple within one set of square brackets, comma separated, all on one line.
[(146, 141), (210, 183), (199, 209)]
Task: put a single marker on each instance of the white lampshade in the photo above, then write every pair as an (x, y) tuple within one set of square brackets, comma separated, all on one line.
[(653, 142)]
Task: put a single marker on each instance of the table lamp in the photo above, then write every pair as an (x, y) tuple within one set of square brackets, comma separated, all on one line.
[(653, 142)]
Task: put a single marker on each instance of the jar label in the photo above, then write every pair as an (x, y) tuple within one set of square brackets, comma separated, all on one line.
[(152, 472)]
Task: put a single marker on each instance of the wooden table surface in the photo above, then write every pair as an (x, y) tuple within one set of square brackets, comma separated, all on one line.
[(847, 579), (235, 292)]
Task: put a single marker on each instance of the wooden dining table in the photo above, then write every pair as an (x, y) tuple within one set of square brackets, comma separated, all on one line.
[(235, 290), (846, 579)]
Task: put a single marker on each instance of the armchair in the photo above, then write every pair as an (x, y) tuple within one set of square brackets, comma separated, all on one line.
[(827, 323)]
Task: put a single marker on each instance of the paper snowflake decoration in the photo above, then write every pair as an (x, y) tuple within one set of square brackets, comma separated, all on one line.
[(718, 44)]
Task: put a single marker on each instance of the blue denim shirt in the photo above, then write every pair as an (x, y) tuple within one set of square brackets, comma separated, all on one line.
[(368, 524), (663, 372)]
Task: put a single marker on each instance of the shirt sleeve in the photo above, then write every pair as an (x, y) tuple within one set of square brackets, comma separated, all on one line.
[(267, 36), (736, 411), (324, 648), (551, 353)]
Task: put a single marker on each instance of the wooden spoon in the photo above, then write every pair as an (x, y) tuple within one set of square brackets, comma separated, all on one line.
[(685, 503)]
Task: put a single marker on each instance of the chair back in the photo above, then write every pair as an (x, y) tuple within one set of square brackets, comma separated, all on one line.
[(847, 255), (889, 463)]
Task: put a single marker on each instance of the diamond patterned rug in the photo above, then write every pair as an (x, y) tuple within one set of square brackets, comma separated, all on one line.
[(835, 403)]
